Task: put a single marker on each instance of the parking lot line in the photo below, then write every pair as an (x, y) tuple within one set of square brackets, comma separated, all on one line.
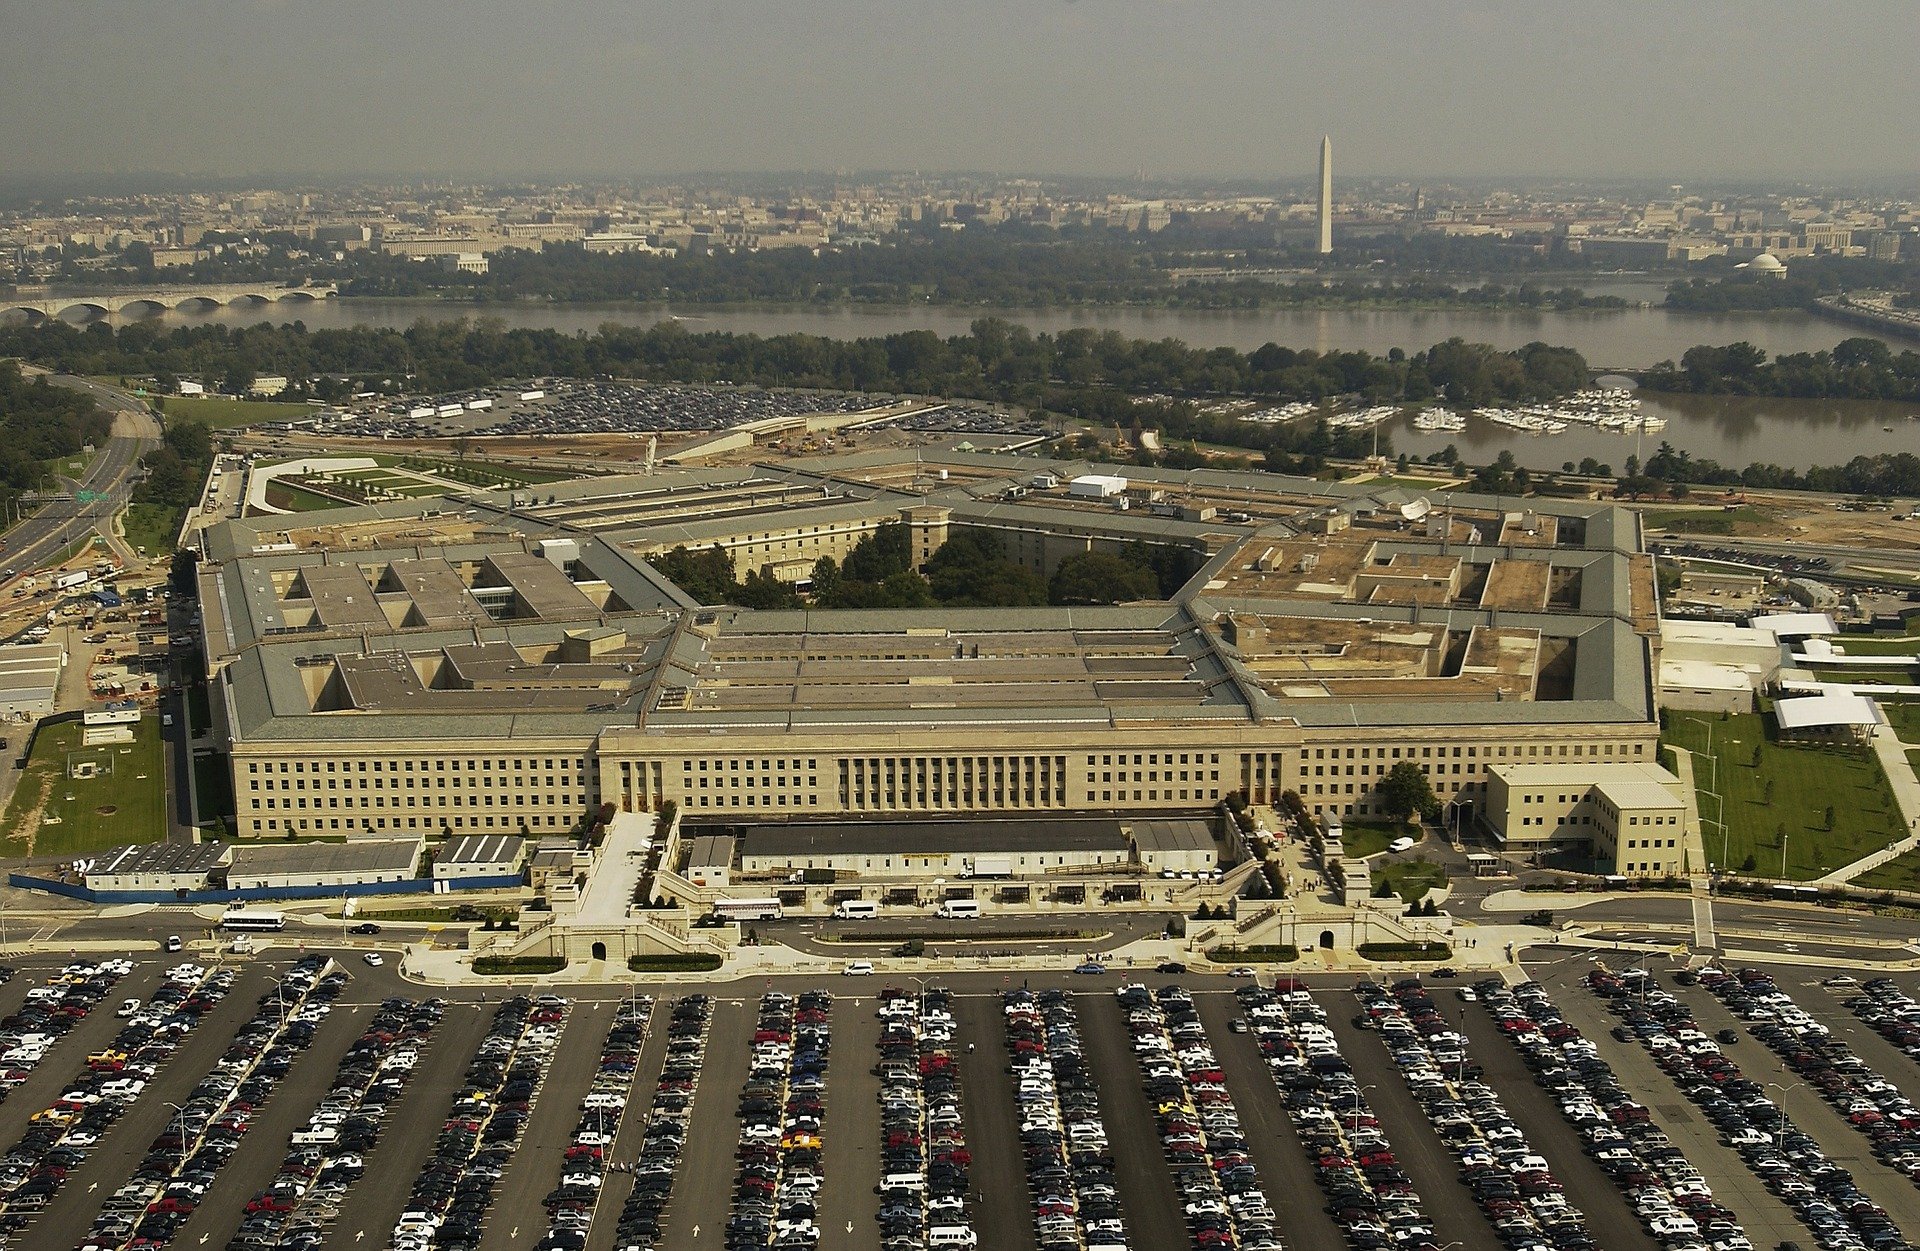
[(997, 1177), (536, 1161), (377, 1199), (704, 1192), (616, 1186), (68, 1054), (850, 1129), (1448, 1204), (1147, 1197), (1587, 1186), (1767, 1220), (1805, 1108), (293, 1099), (66, 1220), (1281, 1161)]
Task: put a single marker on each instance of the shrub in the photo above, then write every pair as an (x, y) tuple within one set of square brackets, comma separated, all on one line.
[(675, 962), (1405, 951), (509, 966)]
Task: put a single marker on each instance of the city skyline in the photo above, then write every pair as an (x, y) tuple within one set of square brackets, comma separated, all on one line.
[(1469, 91)]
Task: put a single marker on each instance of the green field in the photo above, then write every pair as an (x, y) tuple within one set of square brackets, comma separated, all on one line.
[(1806, 781), (1410, 879), (1872, 645), (473, 472), (1899, 873), (1366, 838), (220, 413), (1744, 519), (151, 527), (134, 794), (299, 499)]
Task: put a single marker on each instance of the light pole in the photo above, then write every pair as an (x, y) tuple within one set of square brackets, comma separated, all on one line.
[(1779, 1109), (1358, 1104), (180, 1123)]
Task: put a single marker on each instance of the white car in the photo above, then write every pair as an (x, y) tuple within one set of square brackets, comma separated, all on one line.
[(858, 968), (1400, 844), (374, 959)]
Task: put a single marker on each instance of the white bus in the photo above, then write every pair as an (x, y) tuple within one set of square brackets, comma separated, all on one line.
[(959, 909), (747, 909), (252, 919), (856, 909)]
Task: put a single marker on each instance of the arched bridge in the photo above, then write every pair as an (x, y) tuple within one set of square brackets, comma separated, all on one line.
[(106, 304)]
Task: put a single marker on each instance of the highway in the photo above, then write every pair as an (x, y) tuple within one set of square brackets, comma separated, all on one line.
[(39, 539)]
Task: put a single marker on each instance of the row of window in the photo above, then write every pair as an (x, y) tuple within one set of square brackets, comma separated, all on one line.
[(441, 765)]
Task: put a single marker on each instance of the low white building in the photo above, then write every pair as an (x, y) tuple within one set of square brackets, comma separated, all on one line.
[(307, 865), (29, 676), (480, 855), (158, 867)]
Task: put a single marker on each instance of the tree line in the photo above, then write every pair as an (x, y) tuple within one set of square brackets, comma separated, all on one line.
[(969, 570), (1860, 368), (40, 424)]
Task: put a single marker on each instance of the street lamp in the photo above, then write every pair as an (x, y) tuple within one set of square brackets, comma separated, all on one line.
[(1358, 1104), (1779, 1108), (180, 1122)]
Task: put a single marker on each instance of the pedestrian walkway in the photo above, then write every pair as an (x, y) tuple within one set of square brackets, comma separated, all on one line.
[(1892, 754), (1699, 868)]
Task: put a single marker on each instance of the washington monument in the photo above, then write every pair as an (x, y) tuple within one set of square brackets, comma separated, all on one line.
[(1326, 194)]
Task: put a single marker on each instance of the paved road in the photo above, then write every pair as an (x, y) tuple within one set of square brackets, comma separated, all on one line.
[(1147, 1198), (615, 1187), (703, 1188), (1286, 1174), (516, 1218), (997, 1181), (40, 538), (407, 1137), (1449, 1205), (850, 1131)]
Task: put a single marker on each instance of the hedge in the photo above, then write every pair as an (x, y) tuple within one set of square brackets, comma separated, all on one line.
[(1272, 953), (1404, 951), (675, 962), (508, 966)]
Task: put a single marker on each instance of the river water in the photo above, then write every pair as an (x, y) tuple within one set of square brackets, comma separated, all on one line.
[(1731, 430)]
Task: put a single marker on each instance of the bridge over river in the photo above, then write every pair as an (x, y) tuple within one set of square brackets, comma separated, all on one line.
[(143, 302)]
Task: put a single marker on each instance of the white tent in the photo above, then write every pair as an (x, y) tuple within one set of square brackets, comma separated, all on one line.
[(1816, 712)]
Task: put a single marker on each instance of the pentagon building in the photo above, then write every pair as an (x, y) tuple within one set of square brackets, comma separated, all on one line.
[(505, 661)]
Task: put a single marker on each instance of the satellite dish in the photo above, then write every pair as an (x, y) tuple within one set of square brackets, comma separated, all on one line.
[(1415, 510)]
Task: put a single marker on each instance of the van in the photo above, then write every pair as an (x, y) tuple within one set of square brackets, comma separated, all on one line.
[(314, 1136), (858, 968), (904, 1181), (856, 909), (952, 1236), (954, 909)]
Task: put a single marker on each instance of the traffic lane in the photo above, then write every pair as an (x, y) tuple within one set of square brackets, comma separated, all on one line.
[(516, 1217), (1767, 1220), (850, 1130), (703, 1185), (411, 1127), (1147, 1198), (1285, 1172), (265, 1144), (999, 1170), (66, 1059), (615, 1187), (1805, 1108), (1587, 1185), (111, 1161), (1829, 1005), (1432, 1168)]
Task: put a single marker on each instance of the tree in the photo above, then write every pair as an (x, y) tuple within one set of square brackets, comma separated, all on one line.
[(1096, 578), (1406, 791)]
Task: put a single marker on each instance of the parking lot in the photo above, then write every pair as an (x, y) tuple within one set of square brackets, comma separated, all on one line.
[(274, 1105)]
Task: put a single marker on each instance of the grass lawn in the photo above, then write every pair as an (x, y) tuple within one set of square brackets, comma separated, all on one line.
[(1405, 480), (220, 413), (1366, 838), (127, 805), (299, 499), (1746, 519), (1869, 645), (1411, 879), (1899, 873), (151, 527), (472, 472), (1786, 798), (1882, 675), (1904, 717)]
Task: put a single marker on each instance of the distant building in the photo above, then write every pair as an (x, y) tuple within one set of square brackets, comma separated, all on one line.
[(185, 387), (175, 258), (1326, 194), (267, 384), (1767, 263), (464, 262)]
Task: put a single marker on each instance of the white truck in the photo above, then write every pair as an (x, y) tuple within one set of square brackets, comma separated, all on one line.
[(68, 581)]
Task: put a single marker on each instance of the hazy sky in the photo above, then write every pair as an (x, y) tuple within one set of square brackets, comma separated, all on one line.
[(1762, 88)]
